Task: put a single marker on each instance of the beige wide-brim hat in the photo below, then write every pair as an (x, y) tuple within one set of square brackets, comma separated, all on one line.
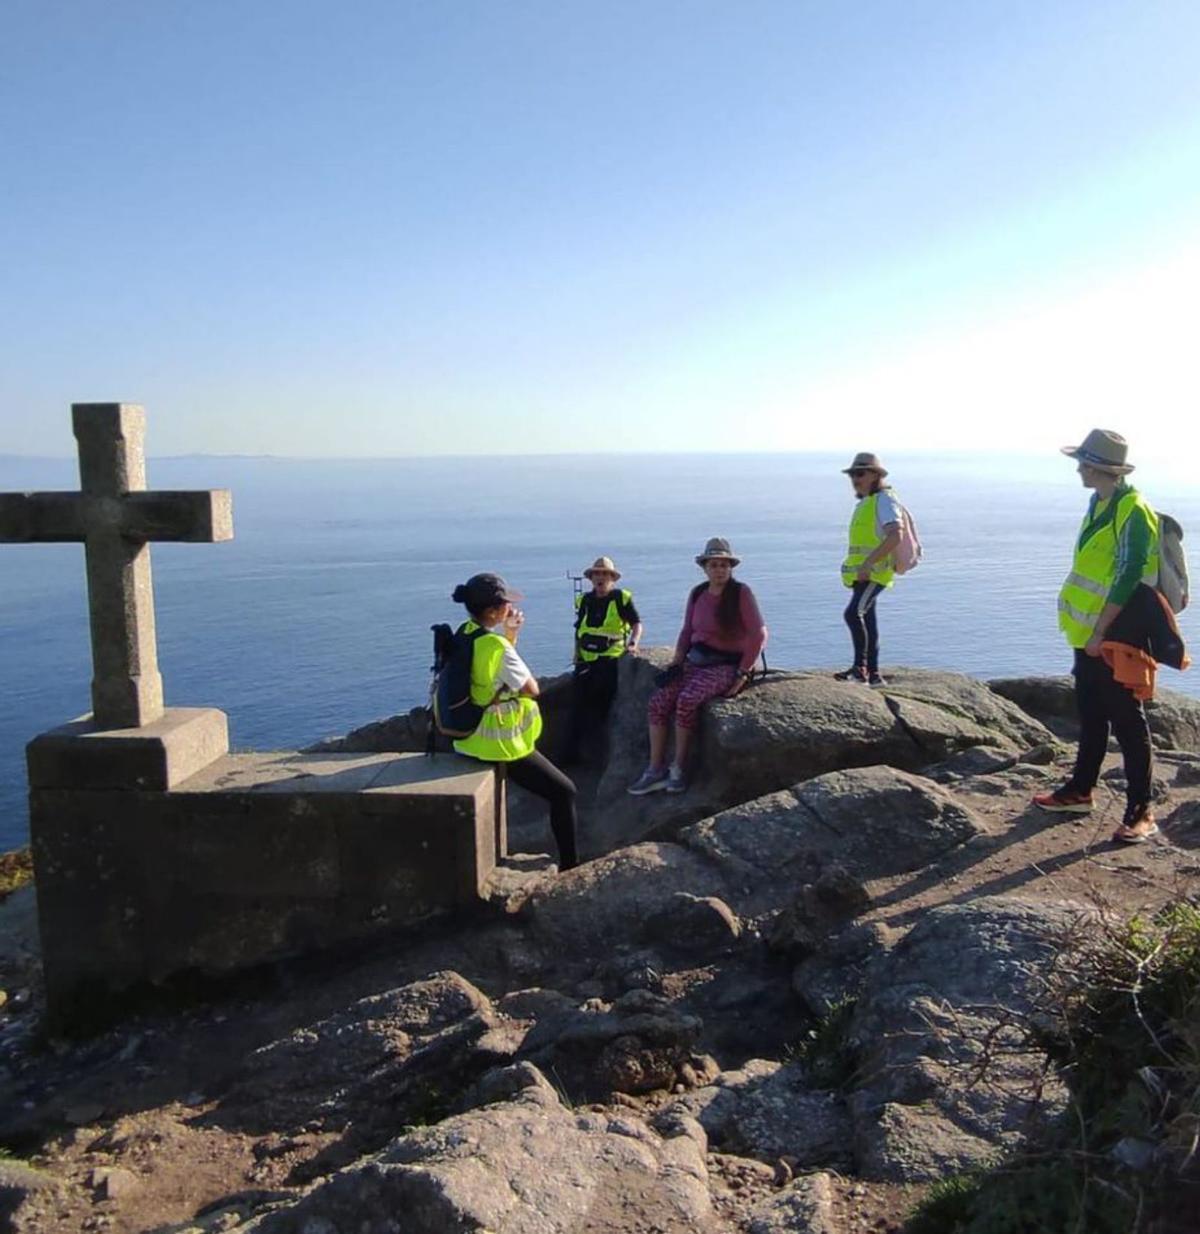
[(865, 462), (717, 548), (604, 564), (1103, 450)]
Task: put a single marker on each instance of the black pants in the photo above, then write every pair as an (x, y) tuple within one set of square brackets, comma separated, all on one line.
[(860, 617), (538, 775), (595, 687), (1103, 704)]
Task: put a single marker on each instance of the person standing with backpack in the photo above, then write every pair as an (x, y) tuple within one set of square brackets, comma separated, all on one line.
[(607, 626), (502, 685), (1117, 549), (869, 566)]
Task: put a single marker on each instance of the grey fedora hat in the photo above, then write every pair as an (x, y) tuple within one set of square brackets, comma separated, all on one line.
[(1103, 450), (865, 461), (718, 548)]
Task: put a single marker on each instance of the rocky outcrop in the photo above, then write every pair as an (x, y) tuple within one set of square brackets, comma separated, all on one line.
[(949, 1072), (864, 823), (526, 1165), (1174, 718), (393, 1058), (770, 1110), (793, 727)]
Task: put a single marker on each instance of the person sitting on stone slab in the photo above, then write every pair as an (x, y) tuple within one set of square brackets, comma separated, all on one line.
[(1115, 551), (607, 626), (722, 636), (502, 684)]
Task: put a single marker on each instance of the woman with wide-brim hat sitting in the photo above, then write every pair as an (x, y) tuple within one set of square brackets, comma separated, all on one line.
[(869, 566), (607, 627), (722, 636)]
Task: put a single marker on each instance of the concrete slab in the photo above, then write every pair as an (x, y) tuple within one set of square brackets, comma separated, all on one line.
[(158, 755), (254, 857)]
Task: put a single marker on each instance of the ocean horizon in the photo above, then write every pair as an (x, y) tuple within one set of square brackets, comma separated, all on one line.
[(315, 618)]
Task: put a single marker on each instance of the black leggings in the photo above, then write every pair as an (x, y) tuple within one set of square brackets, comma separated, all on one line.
[(860, 617), (538, 775), (595, 687), (1103, 703)]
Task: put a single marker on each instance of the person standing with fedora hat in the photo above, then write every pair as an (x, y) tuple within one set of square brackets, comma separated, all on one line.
[(1116, 550), (869, 568), (722, 637), (607, 626)]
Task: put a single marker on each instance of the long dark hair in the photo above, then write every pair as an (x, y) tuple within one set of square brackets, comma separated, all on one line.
[(729, 606)]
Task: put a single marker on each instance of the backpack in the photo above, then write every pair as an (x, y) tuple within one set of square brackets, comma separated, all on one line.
[(908, 552), (1172, 564), (452, 711)]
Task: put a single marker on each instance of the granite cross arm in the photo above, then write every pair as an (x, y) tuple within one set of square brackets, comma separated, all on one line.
[(115, 518)]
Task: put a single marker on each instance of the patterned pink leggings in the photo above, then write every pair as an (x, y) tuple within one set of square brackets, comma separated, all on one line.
[(687, 694)]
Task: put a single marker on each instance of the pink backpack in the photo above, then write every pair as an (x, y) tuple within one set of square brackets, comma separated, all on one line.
[(907, 554)]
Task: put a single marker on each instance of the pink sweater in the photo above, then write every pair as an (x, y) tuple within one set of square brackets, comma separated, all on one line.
[(700, 626)]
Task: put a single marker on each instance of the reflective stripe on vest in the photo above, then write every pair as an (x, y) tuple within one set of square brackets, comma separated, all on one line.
[(865, 538), (613, 628), (511, 723), (1094, 571)]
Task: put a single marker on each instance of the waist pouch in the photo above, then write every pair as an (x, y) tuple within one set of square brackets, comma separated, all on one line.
[(596, 644), (701, 655)]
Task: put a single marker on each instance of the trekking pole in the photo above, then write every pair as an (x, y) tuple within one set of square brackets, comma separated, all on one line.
[(577, 589)]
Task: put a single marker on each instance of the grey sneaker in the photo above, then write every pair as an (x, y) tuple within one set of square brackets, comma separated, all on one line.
[(876, 681), (650, 781), (676, 782)]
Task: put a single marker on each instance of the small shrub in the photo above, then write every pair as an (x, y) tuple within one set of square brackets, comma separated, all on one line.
[(825, 1049)]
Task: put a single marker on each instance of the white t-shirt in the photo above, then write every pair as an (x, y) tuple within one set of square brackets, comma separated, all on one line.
[(514, 672)]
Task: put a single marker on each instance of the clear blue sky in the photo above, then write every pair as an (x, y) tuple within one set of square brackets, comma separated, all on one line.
[(378, 228)]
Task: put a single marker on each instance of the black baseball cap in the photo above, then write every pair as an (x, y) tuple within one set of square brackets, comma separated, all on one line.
[(482, 591)]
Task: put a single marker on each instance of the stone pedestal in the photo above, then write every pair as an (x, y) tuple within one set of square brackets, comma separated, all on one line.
[(254, 857), (160, 755)]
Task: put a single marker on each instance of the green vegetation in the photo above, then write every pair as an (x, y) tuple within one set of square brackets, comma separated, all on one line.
[(825, 1048), (16, 869), (1128, 1045)]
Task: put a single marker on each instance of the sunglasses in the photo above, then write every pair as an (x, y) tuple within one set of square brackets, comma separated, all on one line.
[(857, 473)]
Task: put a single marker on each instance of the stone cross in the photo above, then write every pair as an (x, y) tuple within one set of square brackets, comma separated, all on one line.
[(116, 518)]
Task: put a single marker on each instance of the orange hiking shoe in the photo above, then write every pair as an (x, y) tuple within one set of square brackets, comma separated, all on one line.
[(1137, 827), (1065, 801)]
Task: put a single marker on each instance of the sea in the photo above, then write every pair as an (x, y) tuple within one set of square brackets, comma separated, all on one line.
[(316, 617)]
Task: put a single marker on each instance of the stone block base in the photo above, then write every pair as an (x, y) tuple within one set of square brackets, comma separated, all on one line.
[(257, 857), (157, 756)]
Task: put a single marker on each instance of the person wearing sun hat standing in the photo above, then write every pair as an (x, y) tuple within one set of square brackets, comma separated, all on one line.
[(1117, 548), (607, 626), (722, 636), (869, 567)]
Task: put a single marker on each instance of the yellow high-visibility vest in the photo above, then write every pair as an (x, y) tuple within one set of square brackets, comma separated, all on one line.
[(1094, 570), (511, 723), (865, 538), (613, 630)]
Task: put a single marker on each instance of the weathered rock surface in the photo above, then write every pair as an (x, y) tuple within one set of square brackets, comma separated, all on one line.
[(606, 901), (867, 822), (770, 1110), (805, 1207), (526, 1166), (638, 1043), (386, 1060), (793, 727), (1174, 718), (948, 1071)]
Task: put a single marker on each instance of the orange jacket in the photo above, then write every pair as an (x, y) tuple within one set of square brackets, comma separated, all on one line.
[(1131, 667)]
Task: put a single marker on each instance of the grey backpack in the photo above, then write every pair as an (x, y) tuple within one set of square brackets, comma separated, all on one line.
[(1172, 564)]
